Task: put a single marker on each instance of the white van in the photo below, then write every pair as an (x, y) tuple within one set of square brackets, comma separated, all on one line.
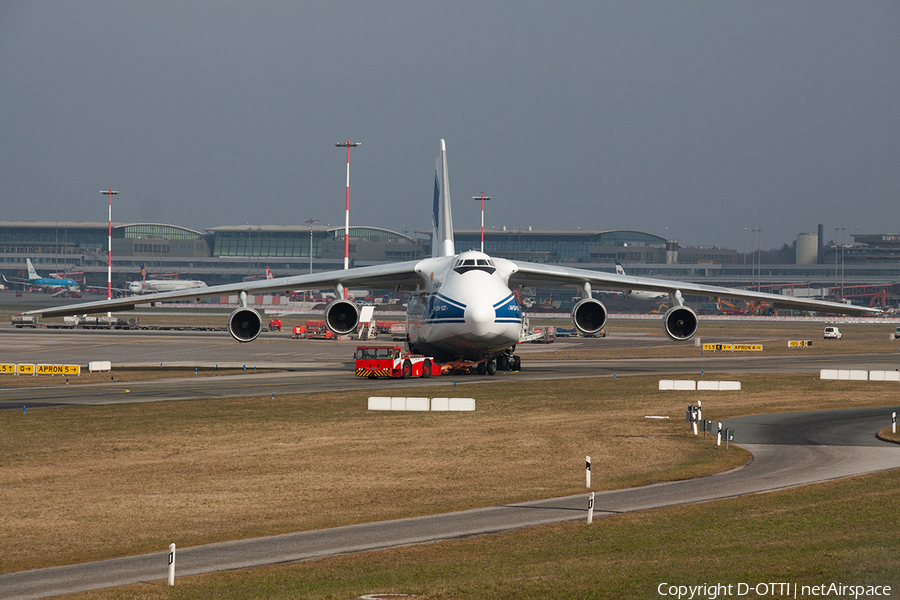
[(833, 333)]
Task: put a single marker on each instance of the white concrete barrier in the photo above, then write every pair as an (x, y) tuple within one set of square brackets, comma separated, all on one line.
[(418, 404), (859, 375), (702, 386), (462, 404), (99, 365), (379, 403), (440, 404)]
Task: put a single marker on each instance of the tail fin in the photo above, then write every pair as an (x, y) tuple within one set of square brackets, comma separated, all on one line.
[(619, 269), (442, 241), (269, 274), (143, 272), (32, 274)]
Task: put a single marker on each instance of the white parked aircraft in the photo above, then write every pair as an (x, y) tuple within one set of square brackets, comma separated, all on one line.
[(464, 307), (638, 294), (152, 286)]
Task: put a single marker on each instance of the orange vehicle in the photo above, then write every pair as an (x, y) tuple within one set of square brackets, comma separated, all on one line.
[(391, 361)]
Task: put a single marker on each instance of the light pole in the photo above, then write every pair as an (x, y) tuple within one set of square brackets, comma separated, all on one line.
[(109, 193), (348, 144), (836, 229), (482, 197), (745, 245), (758, 258), (311, 222)]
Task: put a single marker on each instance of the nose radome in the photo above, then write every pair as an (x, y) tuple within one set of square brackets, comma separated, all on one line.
[(480, 317)]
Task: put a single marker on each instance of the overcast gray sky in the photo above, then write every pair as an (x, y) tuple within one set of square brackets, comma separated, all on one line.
[(692, 120)]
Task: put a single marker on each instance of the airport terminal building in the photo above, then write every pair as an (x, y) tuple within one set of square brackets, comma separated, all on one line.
[(233, 253)]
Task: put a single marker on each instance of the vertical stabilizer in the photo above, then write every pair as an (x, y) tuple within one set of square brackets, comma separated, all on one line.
[(442, 240), (32, 274)]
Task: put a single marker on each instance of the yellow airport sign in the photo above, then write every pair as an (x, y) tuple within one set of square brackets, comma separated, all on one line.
[(733, 347), (7, 368), (24, 369), (799, 343), (58, 370)]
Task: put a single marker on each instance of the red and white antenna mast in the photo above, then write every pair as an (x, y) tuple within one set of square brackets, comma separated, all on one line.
[(482, 197), (109, 193)]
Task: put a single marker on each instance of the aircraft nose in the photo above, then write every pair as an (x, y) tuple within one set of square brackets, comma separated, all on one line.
[(480, 317)]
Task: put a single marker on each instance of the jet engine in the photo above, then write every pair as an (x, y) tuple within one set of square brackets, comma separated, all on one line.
[(342, 317), (244, 324), (680, 323), (589, 316)]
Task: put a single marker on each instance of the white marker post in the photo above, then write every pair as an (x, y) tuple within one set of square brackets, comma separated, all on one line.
[(171, 565), (719, 435), (591, 509), (893, 422), (587, 468), (699, 410)]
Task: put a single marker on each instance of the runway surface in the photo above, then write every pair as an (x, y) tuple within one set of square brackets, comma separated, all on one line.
[(788, 449), (317, 366)]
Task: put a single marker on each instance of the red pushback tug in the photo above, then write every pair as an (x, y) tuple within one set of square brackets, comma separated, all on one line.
[(391, 361)]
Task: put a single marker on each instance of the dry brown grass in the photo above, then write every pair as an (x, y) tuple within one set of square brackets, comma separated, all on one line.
[(91, 482), (118, 375)]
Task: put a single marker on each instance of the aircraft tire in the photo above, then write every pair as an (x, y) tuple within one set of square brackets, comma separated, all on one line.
[(481, 369), (503, 363), (491, 367), (516, 363)]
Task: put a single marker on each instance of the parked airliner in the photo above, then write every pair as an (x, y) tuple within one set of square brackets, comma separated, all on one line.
[(463, 307), (638, 294), (63, 285)]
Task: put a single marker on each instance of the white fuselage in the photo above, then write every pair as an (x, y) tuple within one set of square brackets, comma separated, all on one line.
[(466, 310), (163, 285)]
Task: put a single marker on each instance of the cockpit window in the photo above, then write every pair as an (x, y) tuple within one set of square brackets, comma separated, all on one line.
[(474, 264)]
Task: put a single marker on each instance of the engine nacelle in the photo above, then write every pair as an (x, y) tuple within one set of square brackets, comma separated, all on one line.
[(589, 316), (680, 323), (342, 317), (244, 324)]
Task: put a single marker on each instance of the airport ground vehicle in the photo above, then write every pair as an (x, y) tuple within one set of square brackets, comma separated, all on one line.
[(833, 333), (392, 361)]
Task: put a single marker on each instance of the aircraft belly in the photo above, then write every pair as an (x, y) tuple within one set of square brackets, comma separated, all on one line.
[(451, 341)]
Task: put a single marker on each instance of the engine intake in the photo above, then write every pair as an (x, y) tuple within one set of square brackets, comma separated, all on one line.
[(680, 323), (342, 317), (589, 316), (244, 324)]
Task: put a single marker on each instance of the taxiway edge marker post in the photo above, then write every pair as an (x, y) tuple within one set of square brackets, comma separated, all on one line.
[(590, 518), (587, 469), (171, 565), (894, 422), (719, 435)]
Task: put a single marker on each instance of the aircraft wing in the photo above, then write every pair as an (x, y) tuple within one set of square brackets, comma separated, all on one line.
[(534, 274), (394, 276)]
